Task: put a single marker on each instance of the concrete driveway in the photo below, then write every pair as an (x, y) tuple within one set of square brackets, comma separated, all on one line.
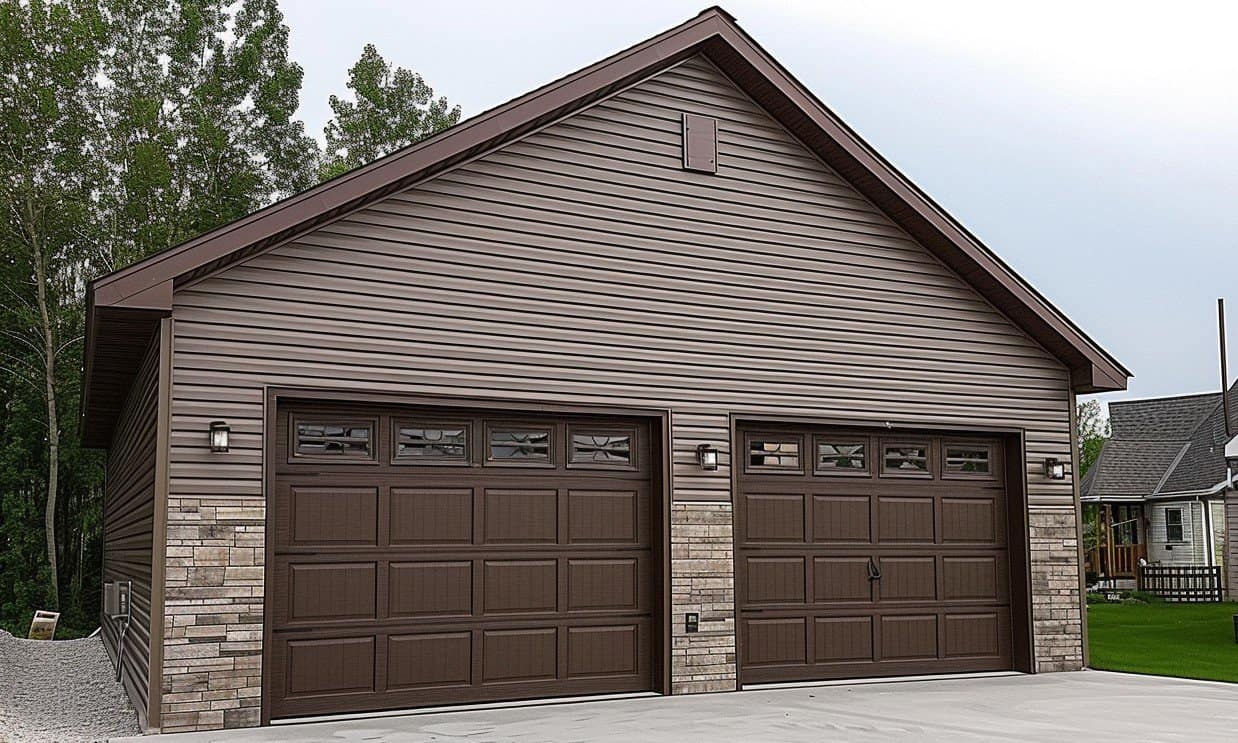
[(1057, 707)]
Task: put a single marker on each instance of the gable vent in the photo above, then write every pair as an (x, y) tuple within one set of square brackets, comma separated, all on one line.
[(700, 143)]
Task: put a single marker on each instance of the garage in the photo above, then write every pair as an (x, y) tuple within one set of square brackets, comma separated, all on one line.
[(863, 554), (657, 378), (436, 556)]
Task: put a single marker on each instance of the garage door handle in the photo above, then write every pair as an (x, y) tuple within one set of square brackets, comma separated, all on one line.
[(874, 572)]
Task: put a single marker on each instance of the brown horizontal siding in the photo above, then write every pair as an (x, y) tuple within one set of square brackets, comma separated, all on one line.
[(128, 516), (582, 264)]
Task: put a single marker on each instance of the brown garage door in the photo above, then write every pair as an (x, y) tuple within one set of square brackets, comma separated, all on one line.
[(862, 555), (425, 557)]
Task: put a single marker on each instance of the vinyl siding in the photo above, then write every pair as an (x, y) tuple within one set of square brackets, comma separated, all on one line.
[(1190, 551), (128, 509), (582, 264)]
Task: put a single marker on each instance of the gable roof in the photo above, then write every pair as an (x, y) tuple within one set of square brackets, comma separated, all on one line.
[(1161, 446), (124, 307)]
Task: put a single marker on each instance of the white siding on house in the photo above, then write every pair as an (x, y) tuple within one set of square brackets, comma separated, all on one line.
[(1192, 550)]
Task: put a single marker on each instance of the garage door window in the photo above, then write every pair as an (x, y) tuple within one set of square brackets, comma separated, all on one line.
[(905, 460), (334, 439), (601, 449), (774, 454), (432, 443), (520, 445), (968, 460), (842, 457)]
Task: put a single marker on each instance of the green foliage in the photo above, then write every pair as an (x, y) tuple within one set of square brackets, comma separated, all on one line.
[(1165, 639), (126, 127), (1092, 432), (393, 108)]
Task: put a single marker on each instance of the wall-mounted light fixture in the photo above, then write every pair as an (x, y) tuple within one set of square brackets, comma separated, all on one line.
[(219, 436), (707, 457), (1055, 469)]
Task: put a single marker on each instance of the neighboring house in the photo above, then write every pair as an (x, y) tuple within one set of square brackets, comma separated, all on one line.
[(1160, 485), (657, 378)]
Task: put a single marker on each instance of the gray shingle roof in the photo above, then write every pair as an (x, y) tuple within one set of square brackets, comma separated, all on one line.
[(1132, 467), (1163, 445), (1161, 418)]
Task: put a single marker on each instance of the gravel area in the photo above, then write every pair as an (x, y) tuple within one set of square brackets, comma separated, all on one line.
[(63, 691)]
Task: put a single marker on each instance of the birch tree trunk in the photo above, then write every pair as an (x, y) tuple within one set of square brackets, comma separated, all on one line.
[(48, 334)]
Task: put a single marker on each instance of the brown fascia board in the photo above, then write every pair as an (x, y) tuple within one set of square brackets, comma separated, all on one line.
[(713, 33)]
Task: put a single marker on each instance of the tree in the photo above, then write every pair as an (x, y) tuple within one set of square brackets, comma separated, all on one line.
[(198, 120), (1092, 431), (47, 180), (393, 108)]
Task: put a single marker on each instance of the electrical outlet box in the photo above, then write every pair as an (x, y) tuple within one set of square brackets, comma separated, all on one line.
[(692, 622), (116, 598)]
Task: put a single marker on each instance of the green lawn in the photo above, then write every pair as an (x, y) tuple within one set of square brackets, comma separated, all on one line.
[(1189, 640)]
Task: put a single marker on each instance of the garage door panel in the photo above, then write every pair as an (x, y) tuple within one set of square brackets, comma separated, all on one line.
[(431, 516), (978, 635), (336, 516), (976, 520), (908, 578), (905, 519), (775, 580), (842, 579), (975, 578), (891, 574), (400, 584), (841, 518), (842, 639), (514, 517), (774, 517), (331, 591), (520, 586), (429, 660), (430, 589), (607, 517), (333, 666), (774, 642), (601, 651), (911, 637), (519, 655), (611, 584)]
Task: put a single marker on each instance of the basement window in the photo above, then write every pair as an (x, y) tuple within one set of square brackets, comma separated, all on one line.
[(1173, 525)]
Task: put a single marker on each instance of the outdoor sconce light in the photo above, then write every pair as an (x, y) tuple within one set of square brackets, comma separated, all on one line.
[(707, 457), (219, 436), (1055, 469)]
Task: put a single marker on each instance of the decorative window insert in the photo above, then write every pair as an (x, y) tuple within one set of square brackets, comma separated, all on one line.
[(602, 448), (1174, 531), (339, 440), (516, 444), (841, 457), (432, 443), (774, 453), (905, 459), (967, 460)]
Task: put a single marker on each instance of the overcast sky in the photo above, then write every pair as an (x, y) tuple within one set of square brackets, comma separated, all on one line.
[(1093, 146)]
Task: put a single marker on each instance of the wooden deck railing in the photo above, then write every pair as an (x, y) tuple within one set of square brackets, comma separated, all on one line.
[(1116, 561)]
